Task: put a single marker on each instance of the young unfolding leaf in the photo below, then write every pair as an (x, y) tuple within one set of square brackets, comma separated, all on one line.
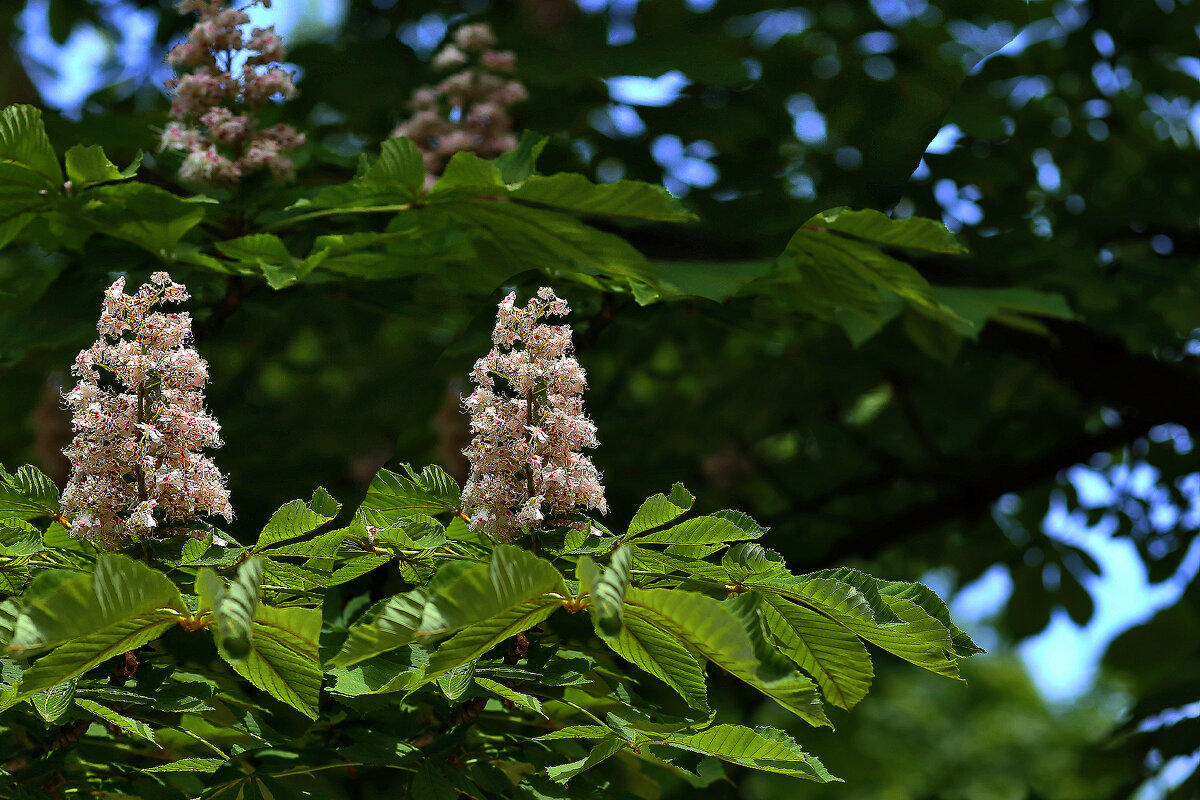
[(232, 607), (608, 590), (88, 166)]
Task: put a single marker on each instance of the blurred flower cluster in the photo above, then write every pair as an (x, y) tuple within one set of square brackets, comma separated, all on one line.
[(213, 121), (528, 425), (467, 110), (139, 420)]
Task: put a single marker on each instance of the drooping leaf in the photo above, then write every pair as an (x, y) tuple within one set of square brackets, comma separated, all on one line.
[(599, 753), (823, 648), (665, 656), (134, 727), (935, 607), (519, 699), (283, 659), (716, 633)]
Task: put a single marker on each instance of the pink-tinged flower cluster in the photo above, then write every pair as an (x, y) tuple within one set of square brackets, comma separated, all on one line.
[(469, 109), (139, 420), (212, 112), (528, 425)]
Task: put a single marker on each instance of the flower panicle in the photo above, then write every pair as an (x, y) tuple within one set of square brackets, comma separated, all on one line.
[(468, 110), (528, 425), (213, 123), (138, 415)]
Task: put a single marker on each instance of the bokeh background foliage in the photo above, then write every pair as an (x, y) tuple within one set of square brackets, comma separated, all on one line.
[(1014, 420)]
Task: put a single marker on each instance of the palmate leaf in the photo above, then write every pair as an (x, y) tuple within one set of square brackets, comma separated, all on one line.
[(283, 659), (710, 628), (765, 749), (392, 496), (27, 494)]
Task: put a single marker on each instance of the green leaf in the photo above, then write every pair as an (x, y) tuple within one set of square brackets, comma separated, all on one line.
[(913, 233), (912, 634), (283, 658), (631, 199), (664, 655), (88, 166), (392, 497), (93, 617), (54, 702), (932, 605), (750, 560), (517, 238), (1016, 307), (27, 494), (525, 701), (765, 749), (517, 164), (512, 577), (607, 590), (698, 530), (399, 164), (821, 647), (454, 684), (388, 626), (145, 215), (23, 140), (297, 518), (657, 511), (232, 607), (266, 253), (203, 765), (710, 628), (134, 727), (601, 752), (475, 640)]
